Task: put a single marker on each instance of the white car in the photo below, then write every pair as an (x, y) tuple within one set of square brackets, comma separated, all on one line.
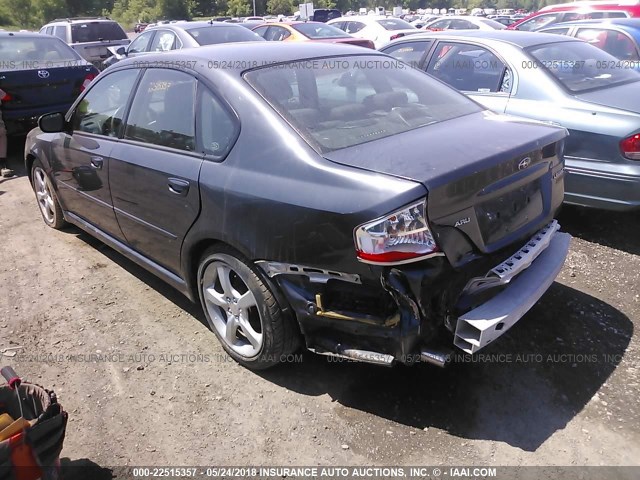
[(463, 22), (377, 28)]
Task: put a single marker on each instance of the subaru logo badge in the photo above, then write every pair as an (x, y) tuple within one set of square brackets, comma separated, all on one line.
[(524, 163), (43, 73)]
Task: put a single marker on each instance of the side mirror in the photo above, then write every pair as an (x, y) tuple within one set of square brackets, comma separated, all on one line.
[(121, 51), (52, 122)]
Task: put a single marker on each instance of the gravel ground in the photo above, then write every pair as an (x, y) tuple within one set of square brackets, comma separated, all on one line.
[(561, 388)]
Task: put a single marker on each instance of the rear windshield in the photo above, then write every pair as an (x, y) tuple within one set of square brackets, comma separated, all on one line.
[(34, 52), (340, 102), (394, 24), (96, 32), (580, 67), (492, 23), (223, 34), (322, 15), (319, 30)]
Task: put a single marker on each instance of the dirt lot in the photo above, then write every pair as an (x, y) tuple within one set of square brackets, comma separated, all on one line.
[(561, 388)]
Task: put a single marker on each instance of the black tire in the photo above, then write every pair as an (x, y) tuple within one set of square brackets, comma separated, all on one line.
[(280, 335), (52, 215)]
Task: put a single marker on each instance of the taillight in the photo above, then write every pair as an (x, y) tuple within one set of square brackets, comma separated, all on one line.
[(400, 237), (6, 98), (630, 147), (87, 81), (397, 35)]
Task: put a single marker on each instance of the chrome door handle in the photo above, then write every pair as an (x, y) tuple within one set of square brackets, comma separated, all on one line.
[(97, 162)]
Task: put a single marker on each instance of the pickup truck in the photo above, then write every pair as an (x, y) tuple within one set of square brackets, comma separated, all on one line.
[(38, 74)]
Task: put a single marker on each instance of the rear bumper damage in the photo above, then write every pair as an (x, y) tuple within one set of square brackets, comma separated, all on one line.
[(418, 312)]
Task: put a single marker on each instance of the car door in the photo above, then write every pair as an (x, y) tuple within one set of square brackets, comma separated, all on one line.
[(474, 70), (80, 158), (155, 167)]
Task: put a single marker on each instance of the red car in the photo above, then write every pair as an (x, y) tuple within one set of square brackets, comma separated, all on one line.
[(568, 12)]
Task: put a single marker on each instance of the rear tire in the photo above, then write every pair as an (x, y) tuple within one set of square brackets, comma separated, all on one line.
[(46, 196), (242, 311)]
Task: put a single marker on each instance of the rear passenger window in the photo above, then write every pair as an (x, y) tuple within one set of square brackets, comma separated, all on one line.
[(163, 42), (61, 32), (613, 15), (354, 27), (216, 126), (469, 68), (163, 110), (409, 52)]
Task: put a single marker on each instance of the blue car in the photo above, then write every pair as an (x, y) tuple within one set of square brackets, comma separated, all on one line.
[(619, 37)]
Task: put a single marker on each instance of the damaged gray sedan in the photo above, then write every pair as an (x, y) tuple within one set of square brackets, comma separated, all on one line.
[(324, 195)]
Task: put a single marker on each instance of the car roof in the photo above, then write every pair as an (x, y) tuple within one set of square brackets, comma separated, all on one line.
[(514, 37), (192, 25), (4, 34), (81, 20), (239, 56), (362, 18), (291, 22), (622, 22)]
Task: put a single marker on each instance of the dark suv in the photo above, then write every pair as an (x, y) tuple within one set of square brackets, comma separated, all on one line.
[(294, 197)]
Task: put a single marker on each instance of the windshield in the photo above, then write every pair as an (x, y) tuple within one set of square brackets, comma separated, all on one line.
[(340, 102), (34, 52), (579, 66), (394, 24), (319, 30), (223, 34), (97, 32)]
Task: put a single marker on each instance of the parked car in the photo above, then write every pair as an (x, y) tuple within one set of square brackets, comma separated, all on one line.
[(463, 22), (550, 78), (569, 12), (379, 29), (619, 37), (89, 36), (174, 36), (297, 200), (308, 31), (39, 74)]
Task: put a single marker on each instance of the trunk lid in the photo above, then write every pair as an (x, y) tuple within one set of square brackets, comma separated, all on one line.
[(361, 42), (490, 177), (97, 50), (34, 89), (624, 97)]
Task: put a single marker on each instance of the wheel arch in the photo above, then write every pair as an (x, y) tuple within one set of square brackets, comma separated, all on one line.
[(191, 262)]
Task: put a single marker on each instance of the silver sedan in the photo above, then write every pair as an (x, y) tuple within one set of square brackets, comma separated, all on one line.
[(554, 79)]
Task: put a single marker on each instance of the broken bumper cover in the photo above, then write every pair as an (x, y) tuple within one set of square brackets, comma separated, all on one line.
[(529, 273), (388, 316)]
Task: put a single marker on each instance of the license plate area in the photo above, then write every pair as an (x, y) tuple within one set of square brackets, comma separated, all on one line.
[(502, 215)]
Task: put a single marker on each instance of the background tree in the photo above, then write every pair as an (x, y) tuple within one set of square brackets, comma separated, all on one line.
[(239, 8), (281, 7)]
